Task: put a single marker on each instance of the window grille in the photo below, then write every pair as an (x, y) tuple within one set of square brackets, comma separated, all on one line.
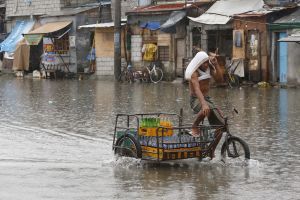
[(163, 53)]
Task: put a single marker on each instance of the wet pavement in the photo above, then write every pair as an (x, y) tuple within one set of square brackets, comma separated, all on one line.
[(56, 138)]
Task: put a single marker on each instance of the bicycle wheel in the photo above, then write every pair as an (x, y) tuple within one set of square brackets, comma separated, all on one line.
[(126, 76), (145, 76), (128, 146), (156, 75), (235, 148), (233, 80)]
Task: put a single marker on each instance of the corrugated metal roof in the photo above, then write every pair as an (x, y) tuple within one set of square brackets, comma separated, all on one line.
[(261, 12), (291, 18), (292, 38), (70, 11), (100, 25), (222, 11)]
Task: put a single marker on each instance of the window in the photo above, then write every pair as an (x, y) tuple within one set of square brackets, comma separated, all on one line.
[(61, 46), (163, 53)]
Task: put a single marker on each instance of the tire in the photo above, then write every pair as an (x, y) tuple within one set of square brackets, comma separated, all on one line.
[(128, 146), (238, 148), (126, 76), (123, 76), (233, 80), (157, 75), (145, 76)]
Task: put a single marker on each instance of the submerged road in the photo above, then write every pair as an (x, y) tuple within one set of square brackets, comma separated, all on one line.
[(56, 137)]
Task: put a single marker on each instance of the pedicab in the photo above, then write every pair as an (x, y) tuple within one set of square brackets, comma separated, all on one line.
[(163, 137)]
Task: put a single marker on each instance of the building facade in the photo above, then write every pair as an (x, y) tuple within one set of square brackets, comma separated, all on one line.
[(74, 44)]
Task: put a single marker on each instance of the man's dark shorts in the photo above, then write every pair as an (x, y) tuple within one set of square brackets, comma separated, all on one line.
[(215, 117)]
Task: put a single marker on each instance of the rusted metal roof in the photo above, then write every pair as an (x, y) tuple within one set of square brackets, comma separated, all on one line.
[(70, 11), (162, 7), (260, 12)]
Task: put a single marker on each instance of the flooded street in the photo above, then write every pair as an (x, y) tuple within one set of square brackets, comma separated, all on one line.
[(56, 138)]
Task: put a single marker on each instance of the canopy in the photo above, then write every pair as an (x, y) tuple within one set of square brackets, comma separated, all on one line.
[(10, 43), (153, 26), (292, 38), (222, 11), (169, 25), (35, 36), (100, 25), (50, 28)]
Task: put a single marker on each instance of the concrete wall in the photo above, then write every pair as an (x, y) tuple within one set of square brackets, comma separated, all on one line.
[(83, 37), (136, 47), (126, 5), (293, 74), (105, 66), (36, 7), (104, 38)]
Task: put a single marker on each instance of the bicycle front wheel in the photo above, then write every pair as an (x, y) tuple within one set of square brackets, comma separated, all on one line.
[(233, 80), (156, 75), (235, 148)]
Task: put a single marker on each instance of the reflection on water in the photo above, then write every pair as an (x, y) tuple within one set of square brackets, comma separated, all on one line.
[(56, 136)]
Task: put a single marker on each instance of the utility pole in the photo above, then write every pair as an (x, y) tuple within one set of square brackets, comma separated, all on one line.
[(117, 39)]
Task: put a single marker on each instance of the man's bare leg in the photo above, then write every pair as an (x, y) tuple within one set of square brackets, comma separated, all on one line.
[(199, 118), (218, 135)]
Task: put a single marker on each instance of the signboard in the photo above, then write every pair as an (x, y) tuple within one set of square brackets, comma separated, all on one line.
[(33, 39), (49, 56), (72, 41)]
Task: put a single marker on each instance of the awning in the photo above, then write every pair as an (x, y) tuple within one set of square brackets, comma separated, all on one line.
[(291, 38), (34, 37), (170, 25), (151, 25), (10, 43), (100, 25), (222, 11)]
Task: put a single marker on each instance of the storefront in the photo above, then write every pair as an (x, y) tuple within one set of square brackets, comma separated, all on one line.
[(103, 43), (52, 40), (9, 46)]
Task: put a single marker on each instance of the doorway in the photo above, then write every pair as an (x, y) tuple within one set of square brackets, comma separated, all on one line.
[(282, 59)]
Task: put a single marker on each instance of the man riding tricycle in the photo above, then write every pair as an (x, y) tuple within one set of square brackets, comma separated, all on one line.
[(154, 137), (162, 137)]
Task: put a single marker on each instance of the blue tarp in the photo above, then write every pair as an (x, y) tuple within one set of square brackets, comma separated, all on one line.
[(10, 43), (153, 26)]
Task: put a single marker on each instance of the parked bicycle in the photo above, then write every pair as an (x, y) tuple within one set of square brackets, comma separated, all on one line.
[(151, 73), (126, 73), (155, 72), (230, 77)]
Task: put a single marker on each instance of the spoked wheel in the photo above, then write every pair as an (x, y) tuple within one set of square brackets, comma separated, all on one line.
[(128, 146), (126, 77), (146, 76), (156, 75), (235, 148), (233, 80)]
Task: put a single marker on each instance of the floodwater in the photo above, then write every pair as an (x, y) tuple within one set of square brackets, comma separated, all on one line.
[(56, 137)]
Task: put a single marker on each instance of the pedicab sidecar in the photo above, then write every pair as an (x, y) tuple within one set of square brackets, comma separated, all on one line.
[(162, 137)]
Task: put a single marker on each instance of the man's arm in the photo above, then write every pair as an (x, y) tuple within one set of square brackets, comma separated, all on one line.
[(197, 90), (216, 71)]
